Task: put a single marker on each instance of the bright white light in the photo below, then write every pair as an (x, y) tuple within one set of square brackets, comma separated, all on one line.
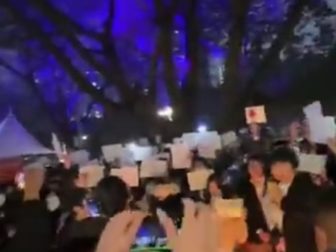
[(131, 145), (166, 112), (85, 137), (94, 83), (97, 114), (202, 128)]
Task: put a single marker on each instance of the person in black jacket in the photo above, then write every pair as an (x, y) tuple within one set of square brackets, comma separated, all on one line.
[(33, 224), (298, 203), (261, 198), (80, 226)]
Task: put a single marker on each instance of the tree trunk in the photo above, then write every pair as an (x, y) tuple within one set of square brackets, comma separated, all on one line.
[(232, 81), (192, 84)]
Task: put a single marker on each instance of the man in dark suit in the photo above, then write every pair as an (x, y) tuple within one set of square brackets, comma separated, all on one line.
[(326, 221), (298, 203)]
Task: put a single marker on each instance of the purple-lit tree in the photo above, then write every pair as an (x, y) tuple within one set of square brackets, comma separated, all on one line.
[(95, 58)]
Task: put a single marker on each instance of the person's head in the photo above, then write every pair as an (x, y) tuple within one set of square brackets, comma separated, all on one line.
[(113, 195), (256, 166), (74, 202), (325, 223), (294, 130), (254, 129), (200, 163), (283, 164), (214, 188)]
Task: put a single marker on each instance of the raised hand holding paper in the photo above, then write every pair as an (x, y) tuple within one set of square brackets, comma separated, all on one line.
[(153, 169), (112, 152), (130, 175), (80, 157), (91, 175), (229, 138), (197, 180), (181, 156), (314, 164), (255, 114), (314, 109), (321, 127)]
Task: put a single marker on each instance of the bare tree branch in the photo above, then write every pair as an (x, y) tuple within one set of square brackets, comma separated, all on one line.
[(110, 76), (63, 60), (272, 56), (29, 80)]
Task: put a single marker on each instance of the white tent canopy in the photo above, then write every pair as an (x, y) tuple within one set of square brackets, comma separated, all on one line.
[(15, 140)]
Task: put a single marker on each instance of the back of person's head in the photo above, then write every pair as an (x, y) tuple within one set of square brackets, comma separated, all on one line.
[(326, 219), (74, 198), (224, 160), (199, 162), (112, 195)]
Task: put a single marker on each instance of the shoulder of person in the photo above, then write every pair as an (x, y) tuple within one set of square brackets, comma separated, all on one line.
[(303, 177)]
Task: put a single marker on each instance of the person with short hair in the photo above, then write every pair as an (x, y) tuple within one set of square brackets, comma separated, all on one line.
[(112, 195), (325, 221), (298, 203)]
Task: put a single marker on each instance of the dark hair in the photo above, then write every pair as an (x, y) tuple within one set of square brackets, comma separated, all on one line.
[(226, 189), (259, 157), (262, 159), (73, 198), (112, 195), (284, 154), (216, 179), (201, 160), (173, 207)]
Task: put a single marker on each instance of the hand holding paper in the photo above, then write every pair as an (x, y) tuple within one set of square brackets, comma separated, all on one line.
[(255, 114), (130, 175), (181, 156), (314, 164), (112, 152), (90, 175), (198, 179), (153, 169)]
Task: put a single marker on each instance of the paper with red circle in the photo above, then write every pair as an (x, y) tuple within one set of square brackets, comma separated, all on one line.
[(255, 114)]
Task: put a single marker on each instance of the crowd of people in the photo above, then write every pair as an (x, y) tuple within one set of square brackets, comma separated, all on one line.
[(285, 210)]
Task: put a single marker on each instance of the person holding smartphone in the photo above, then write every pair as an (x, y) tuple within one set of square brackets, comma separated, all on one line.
[(84, 223)]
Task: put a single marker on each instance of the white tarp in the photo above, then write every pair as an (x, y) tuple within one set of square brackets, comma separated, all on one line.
[(15, 140)]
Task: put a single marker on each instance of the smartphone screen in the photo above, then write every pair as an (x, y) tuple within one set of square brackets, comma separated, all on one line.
[(93, 208), (150, 236)]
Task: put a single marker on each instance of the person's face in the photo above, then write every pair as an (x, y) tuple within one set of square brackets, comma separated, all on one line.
[(294, 130), (281, 171), (81, 212), (214, 190), (305, 129), (198, 165), (255, 169), (254, 129)]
